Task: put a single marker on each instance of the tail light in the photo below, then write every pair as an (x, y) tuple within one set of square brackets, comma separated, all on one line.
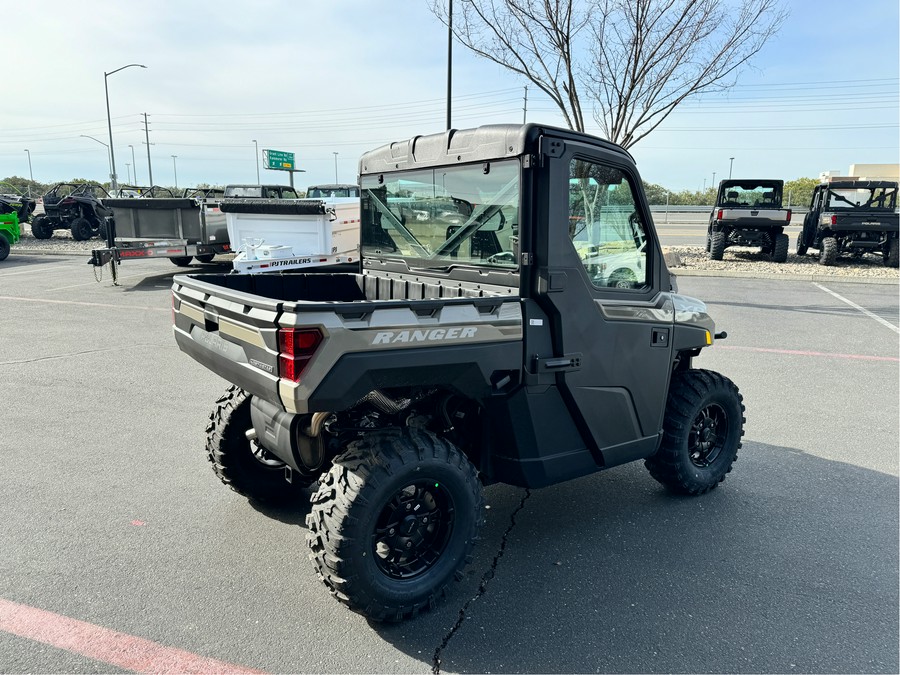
[(789, 215), (720, 214), (834, 220), (297, 347)]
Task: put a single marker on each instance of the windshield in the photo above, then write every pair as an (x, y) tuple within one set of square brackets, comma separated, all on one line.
[(464, 215), (757, 194), (863, 198), (327, 193)]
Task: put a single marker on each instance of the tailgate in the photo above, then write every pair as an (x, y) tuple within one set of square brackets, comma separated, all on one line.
[(750, 216), (234, 334), (872, 221)]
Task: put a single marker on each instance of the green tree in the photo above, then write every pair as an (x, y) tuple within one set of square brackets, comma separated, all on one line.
[(799, 191)]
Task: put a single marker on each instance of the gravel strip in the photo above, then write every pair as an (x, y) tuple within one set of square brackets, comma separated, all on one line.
[(738, 261)]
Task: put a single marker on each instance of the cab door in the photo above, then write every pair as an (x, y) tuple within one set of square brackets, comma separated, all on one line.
[(605, 290)]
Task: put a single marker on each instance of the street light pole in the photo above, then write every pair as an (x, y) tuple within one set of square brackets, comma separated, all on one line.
[(335, 167), (175, 169), (713, 184), (730, 166), (133, 163), (256, 145), (108, 158), (112, 157), (30, 174), (449, 57), (128, 169)]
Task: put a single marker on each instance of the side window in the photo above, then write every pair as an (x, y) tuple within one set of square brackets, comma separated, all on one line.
[(605, 226)]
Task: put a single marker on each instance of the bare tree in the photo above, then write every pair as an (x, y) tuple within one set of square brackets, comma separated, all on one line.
[(634, 61)]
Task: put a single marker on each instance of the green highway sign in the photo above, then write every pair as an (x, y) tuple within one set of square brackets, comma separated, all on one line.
[(278, 160)]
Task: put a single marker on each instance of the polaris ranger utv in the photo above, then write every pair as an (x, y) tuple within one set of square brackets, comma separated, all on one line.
[(476, 344), (854, 217), (748, 213)]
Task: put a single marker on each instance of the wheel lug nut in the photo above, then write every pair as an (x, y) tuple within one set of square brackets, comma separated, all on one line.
[(409, 544)]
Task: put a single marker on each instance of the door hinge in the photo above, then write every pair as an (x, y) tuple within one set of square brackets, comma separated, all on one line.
[(525, 259)]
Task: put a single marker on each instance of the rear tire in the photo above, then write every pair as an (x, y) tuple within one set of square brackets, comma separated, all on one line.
[(892, 259), (828, 254), (702, 432), (81, 229), (206, 257), (41, 228), (716, 245), (780, 253), (394, 521), (182, 261), (801, 247), (243, 465)]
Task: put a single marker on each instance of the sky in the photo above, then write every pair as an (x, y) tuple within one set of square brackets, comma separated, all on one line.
[(347, 76)]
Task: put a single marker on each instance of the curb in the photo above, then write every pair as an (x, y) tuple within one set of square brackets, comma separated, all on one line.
[(828, 278)]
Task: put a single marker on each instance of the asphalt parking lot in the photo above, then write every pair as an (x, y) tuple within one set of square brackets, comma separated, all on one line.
[(111, 516)]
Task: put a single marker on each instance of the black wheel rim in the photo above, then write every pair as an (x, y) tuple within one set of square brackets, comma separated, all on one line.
[(708, 434), (413, 530)]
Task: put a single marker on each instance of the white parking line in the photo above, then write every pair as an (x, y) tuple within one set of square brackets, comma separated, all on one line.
[(861, 309), (37, 269)]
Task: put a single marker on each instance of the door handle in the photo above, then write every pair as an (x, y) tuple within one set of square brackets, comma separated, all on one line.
[(558, 364)]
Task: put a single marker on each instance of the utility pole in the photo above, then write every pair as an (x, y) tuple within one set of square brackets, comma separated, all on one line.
[(30, 174), (147, 136), (175, 169), (730, 166), (449, 57), (713, 184), (335, 167), (525, 109), (256, 150), (133, 163)]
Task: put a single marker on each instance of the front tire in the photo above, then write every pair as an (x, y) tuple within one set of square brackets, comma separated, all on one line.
[(394, 521), (41, 228), (801, 247), (241, 464), (206, 258), (182, 261), (702, 432)]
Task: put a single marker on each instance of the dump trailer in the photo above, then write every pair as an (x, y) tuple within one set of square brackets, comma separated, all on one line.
[(181, 229)]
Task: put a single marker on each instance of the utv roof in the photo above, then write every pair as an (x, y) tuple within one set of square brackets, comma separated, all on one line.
[(864, 184), (489, 142), (333, 186), (746, 181)]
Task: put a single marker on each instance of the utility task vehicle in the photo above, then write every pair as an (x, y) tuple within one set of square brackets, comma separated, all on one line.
[(852, 217), (332, 191), (72, 206), (260, 192), (476, 344), (9, 230), (748, 213), (11, 198)]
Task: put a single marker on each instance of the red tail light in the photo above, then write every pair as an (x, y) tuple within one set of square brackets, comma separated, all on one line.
[(720, 214), (834, 220), (789, 215), (297, 346)]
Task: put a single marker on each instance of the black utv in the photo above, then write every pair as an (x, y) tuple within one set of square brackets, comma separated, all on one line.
[(12, 200), (852, 217), (72, 206)]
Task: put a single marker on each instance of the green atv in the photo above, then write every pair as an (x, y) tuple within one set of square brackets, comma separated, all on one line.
[(9, 232)]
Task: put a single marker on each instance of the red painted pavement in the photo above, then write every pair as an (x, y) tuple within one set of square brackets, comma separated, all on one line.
[(105, 645)]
